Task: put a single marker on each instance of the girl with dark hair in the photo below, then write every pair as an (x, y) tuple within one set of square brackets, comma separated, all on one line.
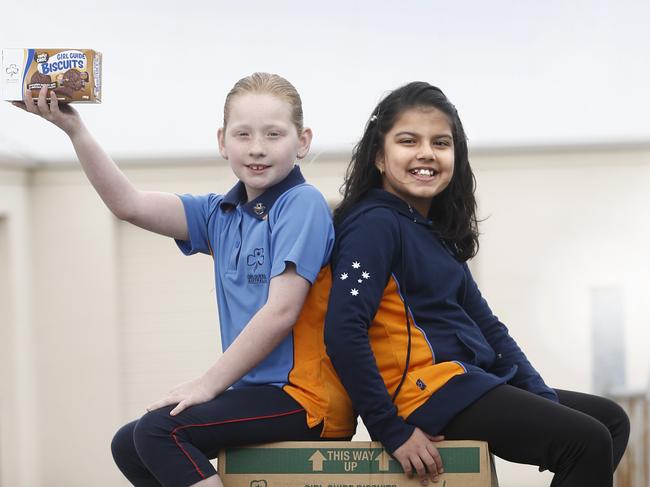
[(415, 344)]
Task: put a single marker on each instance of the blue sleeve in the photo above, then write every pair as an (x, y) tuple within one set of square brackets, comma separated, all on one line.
[(507, 350), (198, 210), (364, 251), (302, 232)]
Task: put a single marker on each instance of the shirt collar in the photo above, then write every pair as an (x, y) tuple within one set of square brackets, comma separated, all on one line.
[(260, 206)]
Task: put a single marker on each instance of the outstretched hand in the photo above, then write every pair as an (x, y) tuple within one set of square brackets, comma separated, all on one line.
[(187, 394), (419, 453), (63, 116)]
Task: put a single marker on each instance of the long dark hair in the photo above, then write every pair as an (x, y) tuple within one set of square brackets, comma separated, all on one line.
[(453, 211)]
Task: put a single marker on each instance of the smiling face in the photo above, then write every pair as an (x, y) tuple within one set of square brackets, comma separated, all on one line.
[(417, 160), (261, 141)]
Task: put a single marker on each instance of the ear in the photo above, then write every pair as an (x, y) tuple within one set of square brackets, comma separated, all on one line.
[(380, 163), (304, 143), (222, 143)]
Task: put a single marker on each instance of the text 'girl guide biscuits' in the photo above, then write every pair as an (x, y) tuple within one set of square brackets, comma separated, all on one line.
[(75, 75)]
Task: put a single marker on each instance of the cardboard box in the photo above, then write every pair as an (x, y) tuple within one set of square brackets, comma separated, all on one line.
[(348, 464), (75, 75)]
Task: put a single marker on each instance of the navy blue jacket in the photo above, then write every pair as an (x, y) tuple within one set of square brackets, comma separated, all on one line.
[(388, 261)]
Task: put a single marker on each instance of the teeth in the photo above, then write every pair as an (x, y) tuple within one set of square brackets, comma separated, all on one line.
[(423, 172)]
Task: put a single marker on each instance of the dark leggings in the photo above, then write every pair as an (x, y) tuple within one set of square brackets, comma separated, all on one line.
[(581, 440), (159, 449)]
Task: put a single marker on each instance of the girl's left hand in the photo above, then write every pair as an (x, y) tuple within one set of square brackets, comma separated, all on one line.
[(185, 395), (418, 453)]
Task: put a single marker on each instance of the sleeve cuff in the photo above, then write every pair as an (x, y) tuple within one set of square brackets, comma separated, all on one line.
[(392, 433), (184, 246), (279, 267)]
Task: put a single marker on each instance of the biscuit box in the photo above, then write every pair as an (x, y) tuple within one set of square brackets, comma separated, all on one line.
[(75, 75), (348, 464)]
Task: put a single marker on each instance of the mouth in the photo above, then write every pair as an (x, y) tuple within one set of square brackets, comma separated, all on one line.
[(423, 172), (257, 167)]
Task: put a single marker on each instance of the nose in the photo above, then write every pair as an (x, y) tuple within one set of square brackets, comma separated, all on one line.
[(426, 153), (256, 148)]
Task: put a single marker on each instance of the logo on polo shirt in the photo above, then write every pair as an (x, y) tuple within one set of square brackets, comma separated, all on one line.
[(254, 261)]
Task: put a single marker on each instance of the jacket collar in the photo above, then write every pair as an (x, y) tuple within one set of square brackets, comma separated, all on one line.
[(260, 206), (381, 197)]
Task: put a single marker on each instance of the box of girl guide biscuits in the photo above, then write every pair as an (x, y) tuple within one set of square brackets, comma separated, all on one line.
[(75, 75), (348, 464)]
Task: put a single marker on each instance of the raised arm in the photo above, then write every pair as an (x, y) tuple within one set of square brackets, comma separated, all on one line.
[(158, 212)]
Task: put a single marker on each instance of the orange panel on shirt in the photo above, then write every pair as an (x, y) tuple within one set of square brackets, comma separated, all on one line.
[(313, 381), (389, 342)]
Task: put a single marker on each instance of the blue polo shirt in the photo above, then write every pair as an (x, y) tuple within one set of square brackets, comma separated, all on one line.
[(251, 242)]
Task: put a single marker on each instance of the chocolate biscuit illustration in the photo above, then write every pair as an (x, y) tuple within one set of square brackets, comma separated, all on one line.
[(37, 80), (64, 91), (73, 80)]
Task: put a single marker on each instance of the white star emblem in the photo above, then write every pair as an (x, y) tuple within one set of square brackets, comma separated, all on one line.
[(356, 265), (359, 281), (344, 276), (354, 292), (365, 275)]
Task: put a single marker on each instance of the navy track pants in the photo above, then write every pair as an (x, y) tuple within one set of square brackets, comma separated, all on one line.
[(174, 451)]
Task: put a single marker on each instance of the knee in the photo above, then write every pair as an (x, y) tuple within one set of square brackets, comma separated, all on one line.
[(619, 427), (122, 446), (153, 425), (620, 422), (586, 437), (597, 440), (602, 439)]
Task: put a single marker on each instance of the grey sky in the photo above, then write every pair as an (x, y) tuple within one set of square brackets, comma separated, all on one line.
[(520, 72)]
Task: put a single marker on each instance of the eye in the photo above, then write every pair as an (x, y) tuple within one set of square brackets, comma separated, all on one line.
[(241, 134), (407, 141), (443, 143), (273, 134)]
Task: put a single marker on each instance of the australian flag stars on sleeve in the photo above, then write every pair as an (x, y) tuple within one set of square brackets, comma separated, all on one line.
[(355, 276)]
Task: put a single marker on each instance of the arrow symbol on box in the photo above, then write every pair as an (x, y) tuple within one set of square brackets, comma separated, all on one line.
[(383, 460), (317, 461)]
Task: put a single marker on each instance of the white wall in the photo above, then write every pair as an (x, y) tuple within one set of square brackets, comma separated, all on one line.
[(558, 227), (19, 448), (76, 327)]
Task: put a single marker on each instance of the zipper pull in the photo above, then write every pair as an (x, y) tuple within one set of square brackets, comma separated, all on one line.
[(415, 220)]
